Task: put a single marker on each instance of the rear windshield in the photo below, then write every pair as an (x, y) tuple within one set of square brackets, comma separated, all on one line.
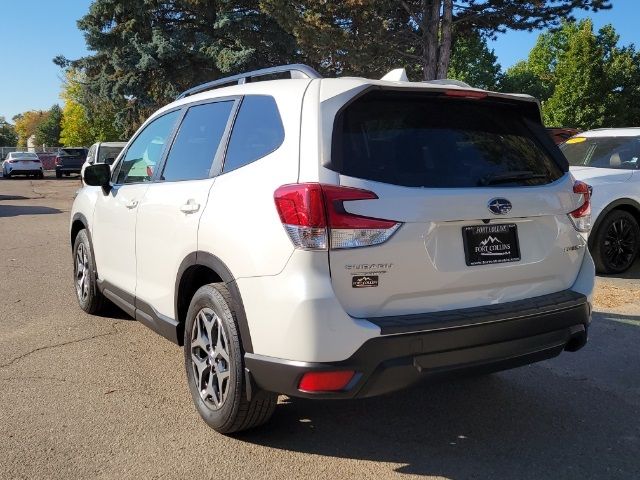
[(419, 140), (25, 156), (603, 152), (72, 151)]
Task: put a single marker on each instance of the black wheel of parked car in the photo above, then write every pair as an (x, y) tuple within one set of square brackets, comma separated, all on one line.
[(85, 276), (213, 358), (58, 174), (616, 242), (40, 175)]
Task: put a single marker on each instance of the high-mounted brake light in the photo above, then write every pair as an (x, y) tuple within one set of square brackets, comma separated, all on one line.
[(314, 216), (325, 381), (466, 94), (581, 216)]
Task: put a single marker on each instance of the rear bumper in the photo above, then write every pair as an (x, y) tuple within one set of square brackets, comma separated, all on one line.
[(24, 171), (69, 169), (415, 347)]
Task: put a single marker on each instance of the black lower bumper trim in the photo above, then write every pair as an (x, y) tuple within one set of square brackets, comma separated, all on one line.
[(391, 362)]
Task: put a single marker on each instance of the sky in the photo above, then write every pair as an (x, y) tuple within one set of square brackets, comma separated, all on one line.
[(35, 31)]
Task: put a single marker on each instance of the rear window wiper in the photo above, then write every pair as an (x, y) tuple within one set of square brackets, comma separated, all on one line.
[(492, 179)]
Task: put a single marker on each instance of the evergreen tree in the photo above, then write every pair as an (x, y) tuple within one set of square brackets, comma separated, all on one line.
[(473, 62), (364, 37), (148, 51)]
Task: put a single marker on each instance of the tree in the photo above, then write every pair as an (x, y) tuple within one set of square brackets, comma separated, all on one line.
[(360, 36), (474, 63), (581, 89), (75, 127), (583, 79), (8, 135), (27, 123), (48, 131), (147, 51)]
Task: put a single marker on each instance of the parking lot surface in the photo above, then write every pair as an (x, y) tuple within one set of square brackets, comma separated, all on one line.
[(104, 397)]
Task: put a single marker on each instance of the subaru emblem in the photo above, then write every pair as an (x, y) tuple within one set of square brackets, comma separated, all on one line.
[(499, 206)]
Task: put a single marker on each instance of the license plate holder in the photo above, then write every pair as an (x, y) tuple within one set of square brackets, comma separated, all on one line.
[(490, 244)]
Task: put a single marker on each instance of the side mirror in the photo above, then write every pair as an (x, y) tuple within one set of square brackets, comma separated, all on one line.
[(97, 175), (109, 161)]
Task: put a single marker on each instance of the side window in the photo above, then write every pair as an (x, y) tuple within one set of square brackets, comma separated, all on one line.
[(197, 141), (146, 150), (257, 132)]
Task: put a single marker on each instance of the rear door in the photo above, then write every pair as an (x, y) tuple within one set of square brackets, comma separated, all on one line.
[(169, 213), (482, 199)]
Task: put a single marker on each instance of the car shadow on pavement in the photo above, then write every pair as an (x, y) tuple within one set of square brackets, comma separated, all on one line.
[(540, 421), (12, 197), (17, 210), (632, 274)]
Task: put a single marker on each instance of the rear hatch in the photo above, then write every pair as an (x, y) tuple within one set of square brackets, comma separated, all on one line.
[(480, 191), (71, 158)]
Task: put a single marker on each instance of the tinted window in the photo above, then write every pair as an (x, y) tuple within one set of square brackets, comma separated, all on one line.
[(428, 141), (108, 152), (197, 141), (257, 131), (25, 156), (73, 151), (146, 150), (603, 152)]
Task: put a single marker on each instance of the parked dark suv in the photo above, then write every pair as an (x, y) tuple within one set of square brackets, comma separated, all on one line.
[(70, 160)]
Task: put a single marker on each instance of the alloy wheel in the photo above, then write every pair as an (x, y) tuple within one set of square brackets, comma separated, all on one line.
[(82, 273), (620, 243), (210, 358)]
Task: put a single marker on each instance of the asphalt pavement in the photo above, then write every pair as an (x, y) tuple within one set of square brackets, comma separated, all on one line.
[(104, 397)]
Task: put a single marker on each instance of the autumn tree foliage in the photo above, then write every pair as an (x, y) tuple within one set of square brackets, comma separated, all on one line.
[(26, 124)]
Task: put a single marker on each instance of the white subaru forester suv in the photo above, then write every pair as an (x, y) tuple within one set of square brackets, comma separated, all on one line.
[(337, 238)]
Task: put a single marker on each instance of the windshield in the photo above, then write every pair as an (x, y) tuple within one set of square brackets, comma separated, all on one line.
[(603, 152), (427, 141)]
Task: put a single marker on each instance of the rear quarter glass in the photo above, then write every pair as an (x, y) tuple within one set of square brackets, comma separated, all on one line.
[(425, 140)]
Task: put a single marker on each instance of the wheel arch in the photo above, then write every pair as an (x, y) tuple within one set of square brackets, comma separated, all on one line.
[(201, 268), (625, 204)]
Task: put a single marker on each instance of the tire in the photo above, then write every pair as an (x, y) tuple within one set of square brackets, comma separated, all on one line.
[(41, 175), (66, 174), (58, 174), (211, 307), (89, 296), (616, 242)]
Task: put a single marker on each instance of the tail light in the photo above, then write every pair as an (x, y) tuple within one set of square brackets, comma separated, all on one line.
[(314, 216), (581, 216), (325, 381), (58, 161)]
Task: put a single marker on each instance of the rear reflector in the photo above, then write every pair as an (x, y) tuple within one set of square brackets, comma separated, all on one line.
[(581, 216), (313, 215), (325, 381)]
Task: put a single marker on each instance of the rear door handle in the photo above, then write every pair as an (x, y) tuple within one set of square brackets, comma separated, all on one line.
[(132, 204), (190, 207)]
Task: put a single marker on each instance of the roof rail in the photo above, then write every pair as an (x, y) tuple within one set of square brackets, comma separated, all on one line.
[(448, 81), (297, 70)]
